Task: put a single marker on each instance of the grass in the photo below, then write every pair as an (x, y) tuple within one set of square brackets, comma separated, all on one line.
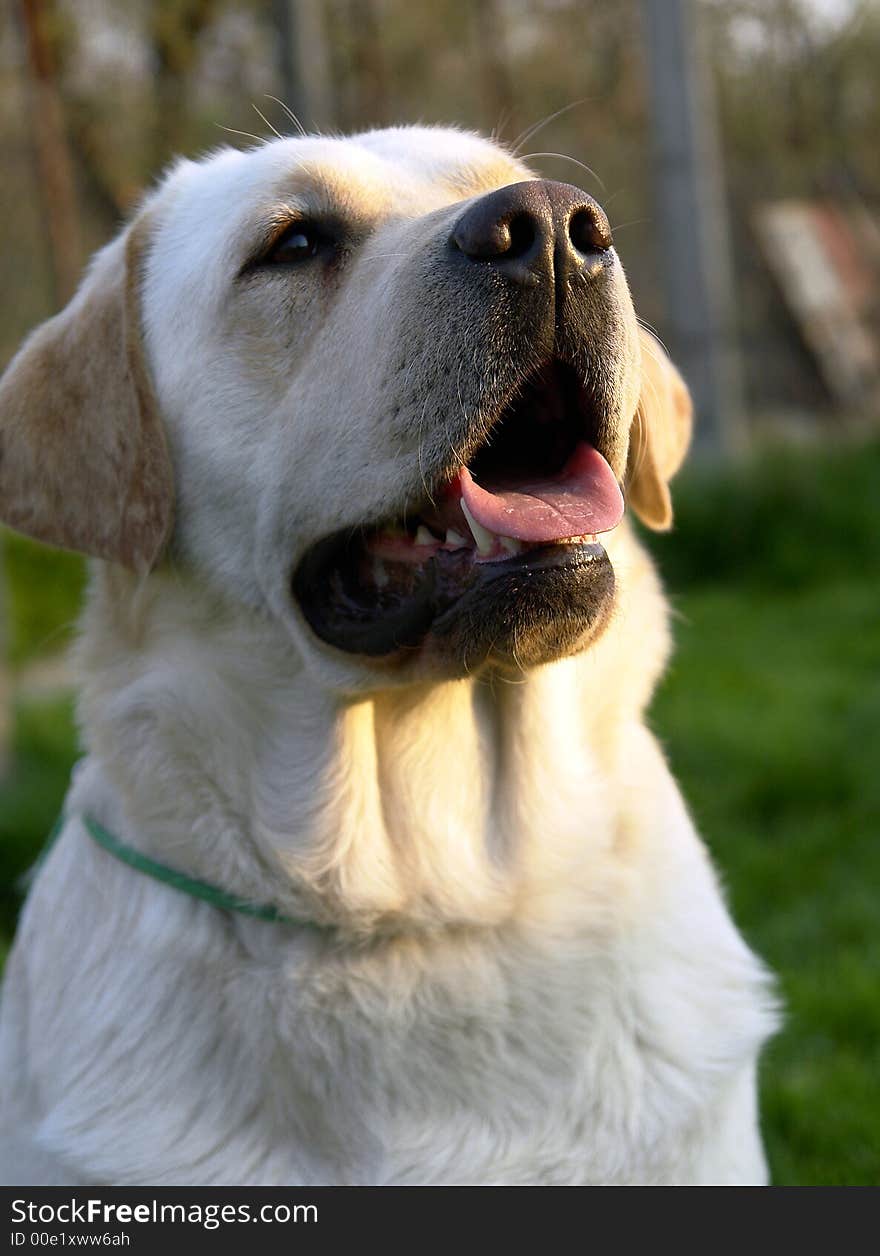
[(770, 719), (43, 587), (43, 752), (770, 716)]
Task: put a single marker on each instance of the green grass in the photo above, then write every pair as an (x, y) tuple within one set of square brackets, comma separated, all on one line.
[(43, 752), (786, 519), (44, 588), (770, 715)]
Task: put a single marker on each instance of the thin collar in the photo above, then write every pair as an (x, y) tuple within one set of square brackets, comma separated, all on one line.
[(212, 894)]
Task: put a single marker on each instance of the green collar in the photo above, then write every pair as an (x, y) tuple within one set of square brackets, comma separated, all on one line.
[(179, 880)]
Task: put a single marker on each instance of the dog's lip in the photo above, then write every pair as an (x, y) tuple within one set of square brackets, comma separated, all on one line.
[(444, 583)]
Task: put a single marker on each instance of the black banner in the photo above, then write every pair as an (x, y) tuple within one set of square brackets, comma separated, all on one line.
[(280, 1219)]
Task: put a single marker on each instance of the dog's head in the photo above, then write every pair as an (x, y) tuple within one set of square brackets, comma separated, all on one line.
[(385, 388)]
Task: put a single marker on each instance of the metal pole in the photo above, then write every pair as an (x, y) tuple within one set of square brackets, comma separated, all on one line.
[(692, 220)]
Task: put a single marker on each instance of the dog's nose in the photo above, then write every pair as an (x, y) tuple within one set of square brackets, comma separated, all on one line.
[(535, 228)]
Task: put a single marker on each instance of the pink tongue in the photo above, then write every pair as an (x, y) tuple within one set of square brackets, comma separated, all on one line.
[(583, 499)]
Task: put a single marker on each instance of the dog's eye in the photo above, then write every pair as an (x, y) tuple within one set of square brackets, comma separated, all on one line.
[(300, 242)]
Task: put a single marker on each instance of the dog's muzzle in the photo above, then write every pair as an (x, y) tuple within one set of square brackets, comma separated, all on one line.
[(500, 561)]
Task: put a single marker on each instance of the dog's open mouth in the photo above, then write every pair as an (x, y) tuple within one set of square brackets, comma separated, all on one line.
[(531, 501)]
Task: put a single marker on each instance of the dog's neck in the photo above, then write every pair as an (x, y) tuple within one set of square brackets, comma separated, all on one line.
[(440, 804)]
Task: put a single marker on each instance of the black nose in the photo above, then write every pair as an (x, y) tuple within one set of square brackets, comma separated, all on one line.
[(535, 228)]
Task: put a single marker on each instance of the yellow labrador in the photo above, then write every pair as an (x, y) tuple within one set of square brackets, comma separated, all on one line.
[(366, 653)]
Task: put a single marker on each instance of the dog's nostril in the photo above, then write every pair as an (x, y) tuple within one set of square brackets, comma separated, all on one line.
[(521, 234), (589, 231), (502, 238)]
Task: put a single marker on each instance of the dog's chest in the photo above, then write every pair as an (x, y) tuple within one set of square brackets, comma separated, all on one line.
[(491, 1056), (477, 1066)]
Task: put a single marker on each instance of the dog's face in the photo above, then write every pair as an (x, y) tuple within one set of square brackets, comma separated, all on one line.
[(399, 381)]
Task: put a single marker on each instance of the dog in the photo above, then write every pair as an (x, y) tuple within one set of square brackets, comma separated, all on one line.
[(367, 648)]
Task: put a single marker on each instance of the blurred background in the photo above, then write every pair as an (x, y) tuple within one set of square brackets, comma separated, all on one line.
[(735, 145)]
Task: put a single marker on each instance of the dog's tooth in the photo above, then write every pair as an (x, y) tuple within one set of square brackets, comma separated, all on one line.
[(423, 536), (455, 538), (485, 540), (511, 544), (380, 573)]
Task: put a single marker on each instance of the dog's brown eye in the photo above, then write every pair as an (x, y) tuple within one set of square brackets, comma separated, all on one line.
[(301, 241)]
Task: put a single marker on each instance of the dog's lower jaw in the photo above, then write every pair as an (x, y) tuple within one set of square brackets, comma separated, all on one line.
[(459, 616)]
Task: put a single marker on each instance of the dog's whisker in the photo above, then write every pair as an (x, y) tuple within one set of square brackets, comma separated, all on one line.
[(532, 131), (609, 200), (565, 157), (498, 129), (260, 114), (258, 139), (291, 115), (633, 222), (421, 451), (379, 257), (643, 322)]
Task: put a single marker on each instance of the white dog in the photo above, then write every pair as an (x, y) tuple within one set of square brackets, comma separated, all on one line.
[(343, 419)]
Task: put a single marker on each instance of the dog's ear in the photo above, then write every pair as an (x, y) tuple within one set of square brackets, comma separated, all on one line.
[(659, 438), (83, 458)]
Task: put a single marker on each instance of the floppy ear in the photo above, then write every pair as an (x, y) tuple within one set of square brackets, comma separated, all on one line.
[(83, 458), (659, 438)]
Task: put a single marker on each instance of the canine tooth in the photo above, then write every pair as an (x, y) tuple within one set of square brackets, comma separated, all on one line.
[(423, 536), (485, 540), (380, 574), (511, 544), (454, 538)]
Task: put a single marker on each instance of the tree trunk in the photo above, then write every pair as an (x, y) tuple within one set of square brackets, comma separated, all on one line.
[(174, 33), (55, 179)]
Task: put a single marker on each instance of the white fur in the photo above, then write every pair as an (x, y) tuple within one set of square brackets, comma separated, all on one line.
[(521, 969)]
